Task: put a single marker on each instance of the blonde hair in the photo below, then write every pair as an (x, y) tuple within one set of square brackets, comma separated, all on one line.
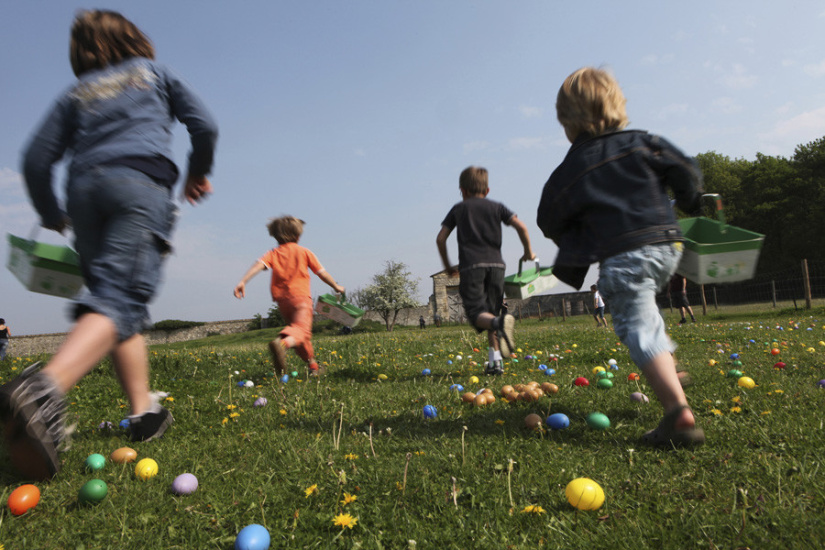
[(286, 229), (473, 180), (590, 101), (100, 38)]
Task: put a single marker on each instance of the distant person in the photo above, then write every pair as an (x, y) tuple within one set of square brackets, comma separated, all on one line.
[(437, 320), (598, 307), (678, 295), (608, 202), (478, 221), (421, 322), (289, 287), (5, 335), (116, 125)]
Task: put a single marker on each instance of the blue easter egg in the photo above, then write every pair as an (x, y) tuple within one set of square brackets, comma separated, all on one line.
[(457, 387), (241, 383), (558, 421), (252, 537), (550, 372), (125, 423), (542, 367), (449, 362), (734, 356), (430, 411), (425, 372), (614, 366), (285, 378)]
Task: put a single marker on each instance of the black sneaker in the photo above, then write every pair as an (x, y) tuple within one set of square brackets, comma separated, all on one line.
[(494, 369), (151, 424), (683, 321), (33, 413), (506, 330)]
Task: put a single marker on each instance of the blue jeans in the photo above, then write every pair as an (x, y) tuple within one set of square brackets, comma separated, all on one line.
[(4, 343), (629, 282), (122, 221)]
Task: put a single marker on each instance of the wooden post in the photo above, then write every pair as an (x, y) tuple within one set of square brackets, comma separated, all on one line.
[(715, 303), (538, 303), (563, 309), (773, 292), (704, 300), (806, 280)]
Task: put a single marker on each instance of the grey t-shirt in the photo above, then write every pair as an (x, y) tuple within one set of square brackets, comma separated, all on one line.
[(478, 224)]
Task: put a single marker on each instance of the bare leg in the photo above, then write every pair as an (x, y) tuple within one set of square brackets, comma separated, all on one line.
[(662, 377), (92, 338), (132, 367)]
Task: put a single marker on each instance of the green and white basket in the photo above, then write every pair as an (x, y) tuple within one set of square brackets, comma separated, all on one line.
[(716, 252), (337, 309), (45, 268), (529, 282)]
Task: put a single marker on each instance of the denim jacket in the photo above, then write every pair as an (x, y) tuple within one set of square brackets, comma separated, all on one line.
[(609, 195), (125, 110)]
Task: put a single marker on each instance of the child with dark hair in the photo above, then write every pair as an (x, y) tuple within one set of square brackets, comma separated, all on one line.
[(478, 222), (116, 124), (608, 202), (289, 263)]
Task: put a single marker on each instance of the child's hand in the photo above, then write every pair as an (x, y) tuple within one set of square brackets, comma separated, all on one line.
[(196, 189), (240, 291), (528, 256), (339, 289)]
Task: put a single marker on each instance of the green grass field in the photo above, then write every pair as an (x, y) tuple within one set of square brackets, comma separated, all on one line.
[(354, 446)]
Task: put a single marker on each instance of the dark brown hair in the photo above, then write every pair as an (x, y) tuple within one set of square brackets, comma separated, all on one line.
[(473, 180), (101, 38)]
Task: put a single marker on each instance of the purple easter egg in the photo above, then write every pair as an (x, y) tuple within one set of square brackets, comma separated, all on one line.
[(821, 383), (639, 396), (260, 402), (185, 484)]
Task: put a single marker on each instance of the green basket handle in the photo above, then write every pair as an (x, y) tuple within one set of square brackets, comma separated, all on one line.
[(522, 261), (719, 211)]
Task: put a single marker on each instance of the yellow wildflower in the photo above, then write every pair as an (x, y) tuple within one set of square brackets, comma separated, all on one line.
[(419, 453), (234, 415), (224, 421), (532, 509), (230, 407), (344, 521), (765, 412), (736, 409), (717, 412), (499, 422), (348, 498), (737, 399), (351, 456), (311, 490), (282, 412)]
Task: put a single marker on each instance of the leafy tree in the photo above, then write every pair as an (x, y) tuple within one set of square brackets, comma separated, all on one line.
[(391, 291), (274, 318)]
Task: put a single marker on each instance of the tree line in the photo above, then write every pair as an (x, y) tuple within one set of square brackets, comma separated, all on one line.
[(782, 198)]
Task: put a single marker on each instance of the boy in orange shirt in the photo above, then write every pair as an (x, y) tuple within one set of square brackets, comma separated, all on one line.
[(289, 263)]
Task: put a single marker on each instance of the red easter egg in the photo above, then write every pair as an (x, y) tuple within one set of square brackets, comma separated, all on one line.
[(24, 498), (779, 365), (775, 351), (632, 376), (581, 381)]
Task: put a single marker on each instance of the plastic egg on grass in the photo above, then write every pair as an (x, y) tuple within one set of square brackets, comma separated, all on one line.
[(506, 390), (480, 400), (746, 382), (260, 402), (821, 383), (285, 378), (95, 462), (774, 351), (779, 365), (639, 397), (456, 387), (123, 455), (542, 367), (598, 421), (468, 397), (584, 494), (611, 362), (733, 373), (532, 421), (252, 537), (249, 384), (549, 388), (458, 358), (558, 421), (597, 370), (294, 374), (185, 484), (23, 499), (550, 372), (474, 380), (382, 376), (426, 372), (93, 491), (125, 423), (430, 411), (146, 469), (604, 383), (581, 381), (632, 377)]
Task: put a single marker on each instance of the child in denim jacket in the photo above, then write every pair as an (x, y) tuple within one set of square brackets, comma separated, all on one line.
[(115, 123), (607, 202)]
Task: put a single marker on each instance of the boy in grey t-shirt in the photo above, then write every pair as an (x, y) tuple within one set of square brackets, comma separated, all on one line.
[(478, 221)]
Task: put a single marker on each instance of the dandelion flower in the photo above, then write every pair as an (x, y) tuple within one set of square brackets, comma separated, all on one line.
[(344, 520), (736, 409), (351, 456), (348, 498), (224, 421), (499, 422), (311, 490), (282, 412), (717, 412), (532, 509)]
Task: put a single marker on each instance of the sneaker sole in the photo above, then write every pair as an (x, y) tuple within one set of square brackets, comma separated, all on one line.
[(162, 428), (508, 329), (30, 458)]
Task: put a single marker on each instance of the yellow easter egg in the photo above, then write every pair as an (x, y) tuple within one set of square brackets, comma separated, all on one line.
[(474, 379), (597, 370), (746, 382), (146, 469), (585, 494), (382, 376)]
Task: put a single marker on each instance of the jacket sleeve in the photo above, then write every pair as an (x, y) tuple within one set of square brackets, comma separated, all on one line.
[(47, 146), (551, 217), (190, 110), (683, 176)]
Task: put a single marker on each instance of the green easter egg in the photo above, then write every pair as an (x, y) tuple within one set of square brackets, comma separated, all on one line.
[(95, 462), (598, 421), (733, 373), (93, 491), (604, 384)]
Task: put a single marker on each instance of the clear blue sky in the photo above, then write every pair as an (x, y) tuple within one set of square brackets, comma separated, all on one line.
[(358, 117)]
